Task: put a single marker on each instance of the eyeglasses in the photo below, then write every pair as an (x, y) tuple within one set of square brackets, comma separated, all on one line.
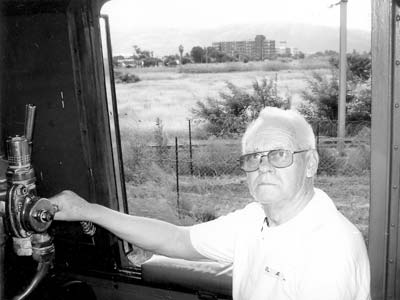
[(279, 158)]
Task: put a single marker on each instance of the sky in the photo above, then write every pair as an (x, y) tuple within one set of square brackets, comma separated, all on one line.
[(215, 13)]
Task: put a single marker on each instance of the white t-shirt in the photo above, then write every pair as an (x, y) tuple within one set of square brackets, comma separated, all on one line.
[(316, 255)]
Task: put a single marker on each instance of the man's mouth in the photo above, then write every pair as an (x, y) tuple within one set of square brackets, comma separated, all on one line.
[(266, 183)]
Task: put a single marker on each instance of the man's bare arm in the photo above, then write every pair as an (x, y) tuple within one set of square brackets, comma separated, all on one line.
[(150, 234)]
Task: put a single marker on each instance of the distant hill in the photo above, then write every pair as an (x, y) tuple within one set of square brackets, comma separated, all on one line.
[(307, 38)]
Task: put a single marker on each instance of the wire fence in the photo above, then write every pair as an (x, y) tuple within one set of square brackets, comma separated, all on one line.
[(187, 182), (218, 157)]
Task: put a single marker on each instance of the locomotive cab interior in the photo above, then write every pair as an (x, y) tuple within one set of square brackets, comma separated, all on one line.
[(59, 130), (58, 108)]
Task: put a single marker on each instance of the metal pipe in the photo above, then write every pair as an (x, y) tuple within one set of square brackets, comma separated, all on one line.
[(2, 258), (177, 172), (29, 120), (43, 268), (190, 150), (2, 145), (3, 27), (343, 78)]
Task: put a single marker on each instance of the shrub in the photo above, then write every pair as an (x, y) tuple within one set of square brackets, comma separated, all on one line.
[(204, 216), (139, 163), (121, 77), (358, 161), (328, 162), (323, 91), (199, 132), (161, 141), (216, 159), (359, 65), (360, 107), (229, 114), (358, 154), (322, 95)]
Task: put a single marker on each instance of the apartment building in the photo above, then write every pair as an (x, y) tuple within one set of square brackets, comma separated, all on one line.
[(258, 49), (283, 49)]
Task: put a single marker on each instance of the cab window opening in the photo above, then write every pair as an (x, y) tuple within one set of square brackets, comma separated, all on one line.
[(180, 165)]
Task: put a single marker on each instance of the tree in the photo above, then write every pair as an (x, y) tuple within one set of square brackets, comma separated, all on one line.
[(322, 93), (144, 57), (171, 60), (215, 55), (116, 59), (359, 65), (299, 55), (180, 48), (230, 114), (360, 108), (186, 60), (197, 54)]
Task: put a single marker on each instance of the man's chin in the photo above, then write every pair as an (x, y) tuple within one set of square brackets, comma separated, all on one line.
[(266, 201), (267, 194)]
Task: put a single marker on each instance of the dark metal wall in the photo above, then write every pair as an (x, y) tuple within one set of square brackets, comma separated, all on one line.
[(51, 57), (38, 70)]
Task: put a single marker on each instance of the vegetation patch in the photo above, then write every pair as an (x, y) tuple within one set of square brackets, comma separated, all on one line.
[(125, 77)]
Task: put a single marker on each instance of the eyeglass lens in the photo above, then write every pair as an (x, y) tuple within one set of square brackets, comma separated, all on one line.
[(277, 158)]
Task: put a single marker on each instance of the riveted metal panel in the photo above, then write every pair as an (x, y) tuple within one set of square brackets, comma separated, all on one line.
[(380, 207), (394, 247)]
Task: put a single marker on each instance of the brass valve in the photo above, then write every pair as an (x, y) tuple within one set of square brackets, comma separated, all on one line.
[(27, 213)]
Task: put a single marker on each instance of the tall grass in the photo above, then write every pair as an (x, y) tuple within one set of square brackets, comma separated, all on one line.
[(228, 67), (274, 65), (355, 160)]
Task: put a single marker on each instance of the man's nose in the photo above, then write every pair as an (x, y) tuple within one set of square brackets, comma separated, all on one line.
[(265, 165)]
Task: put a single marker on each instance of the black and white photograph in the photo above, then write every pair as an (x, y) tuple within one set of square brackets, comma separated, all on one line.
[(183, 150)]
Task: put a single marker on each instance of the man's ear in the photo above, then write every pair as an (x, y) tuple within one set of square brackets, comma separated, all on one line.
[(312, 164)]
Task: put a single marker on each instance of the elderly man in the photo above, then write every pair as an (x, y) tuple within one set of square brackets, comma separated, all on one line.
[(290, 243)]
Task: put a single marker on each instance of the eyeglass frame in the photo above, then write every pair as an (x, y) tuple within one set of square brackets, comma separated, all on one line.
[(267, 155)]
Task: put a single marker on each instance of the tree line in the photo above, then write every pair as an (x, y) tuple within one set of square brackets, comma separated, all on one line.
[(198, 54)]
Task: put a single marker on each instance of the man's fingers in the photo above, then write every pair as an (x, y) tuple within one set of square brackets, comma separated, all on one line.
[(56, 208)]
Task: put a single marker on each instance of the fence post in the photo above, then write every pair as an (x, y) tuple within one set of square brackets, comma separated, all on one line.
[(317, 136), (190, 149), (177, 173)]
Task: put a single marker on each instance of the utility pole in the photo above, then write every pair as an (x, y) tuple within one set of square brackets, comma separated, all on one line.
[(180, 48), (341, 129), (343, 76)]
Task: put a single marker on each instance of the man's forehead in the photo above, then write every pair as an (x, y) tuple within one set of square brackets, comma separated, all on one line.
[(271, 137)]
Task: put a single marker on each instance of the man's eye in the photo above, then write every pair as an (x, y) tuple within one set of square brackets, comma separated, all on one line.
[(279, 154), (254, 156)]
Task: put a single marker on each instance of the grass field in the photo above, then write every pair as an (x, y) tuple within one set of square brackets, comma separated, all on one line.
[(168, 94)]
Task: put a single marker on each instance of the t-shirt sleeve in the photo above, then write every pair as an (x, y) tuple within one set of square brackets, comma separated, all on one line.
[(216, 239)]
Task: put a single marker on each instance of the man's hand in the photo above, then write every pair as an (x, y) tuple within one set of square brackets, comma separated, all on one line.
[(70, 207)]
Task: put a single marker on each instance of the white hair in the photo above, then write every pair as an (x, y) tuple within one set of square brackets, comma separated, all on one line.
[(302, 130)]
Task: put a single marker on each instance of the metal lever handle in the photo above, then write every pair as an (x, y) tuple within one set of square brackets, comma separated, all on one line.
[(29, 118)]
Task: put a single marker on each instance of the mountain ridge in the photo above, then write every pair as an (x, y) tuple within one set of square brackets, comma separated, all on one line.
[(307, 38)]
